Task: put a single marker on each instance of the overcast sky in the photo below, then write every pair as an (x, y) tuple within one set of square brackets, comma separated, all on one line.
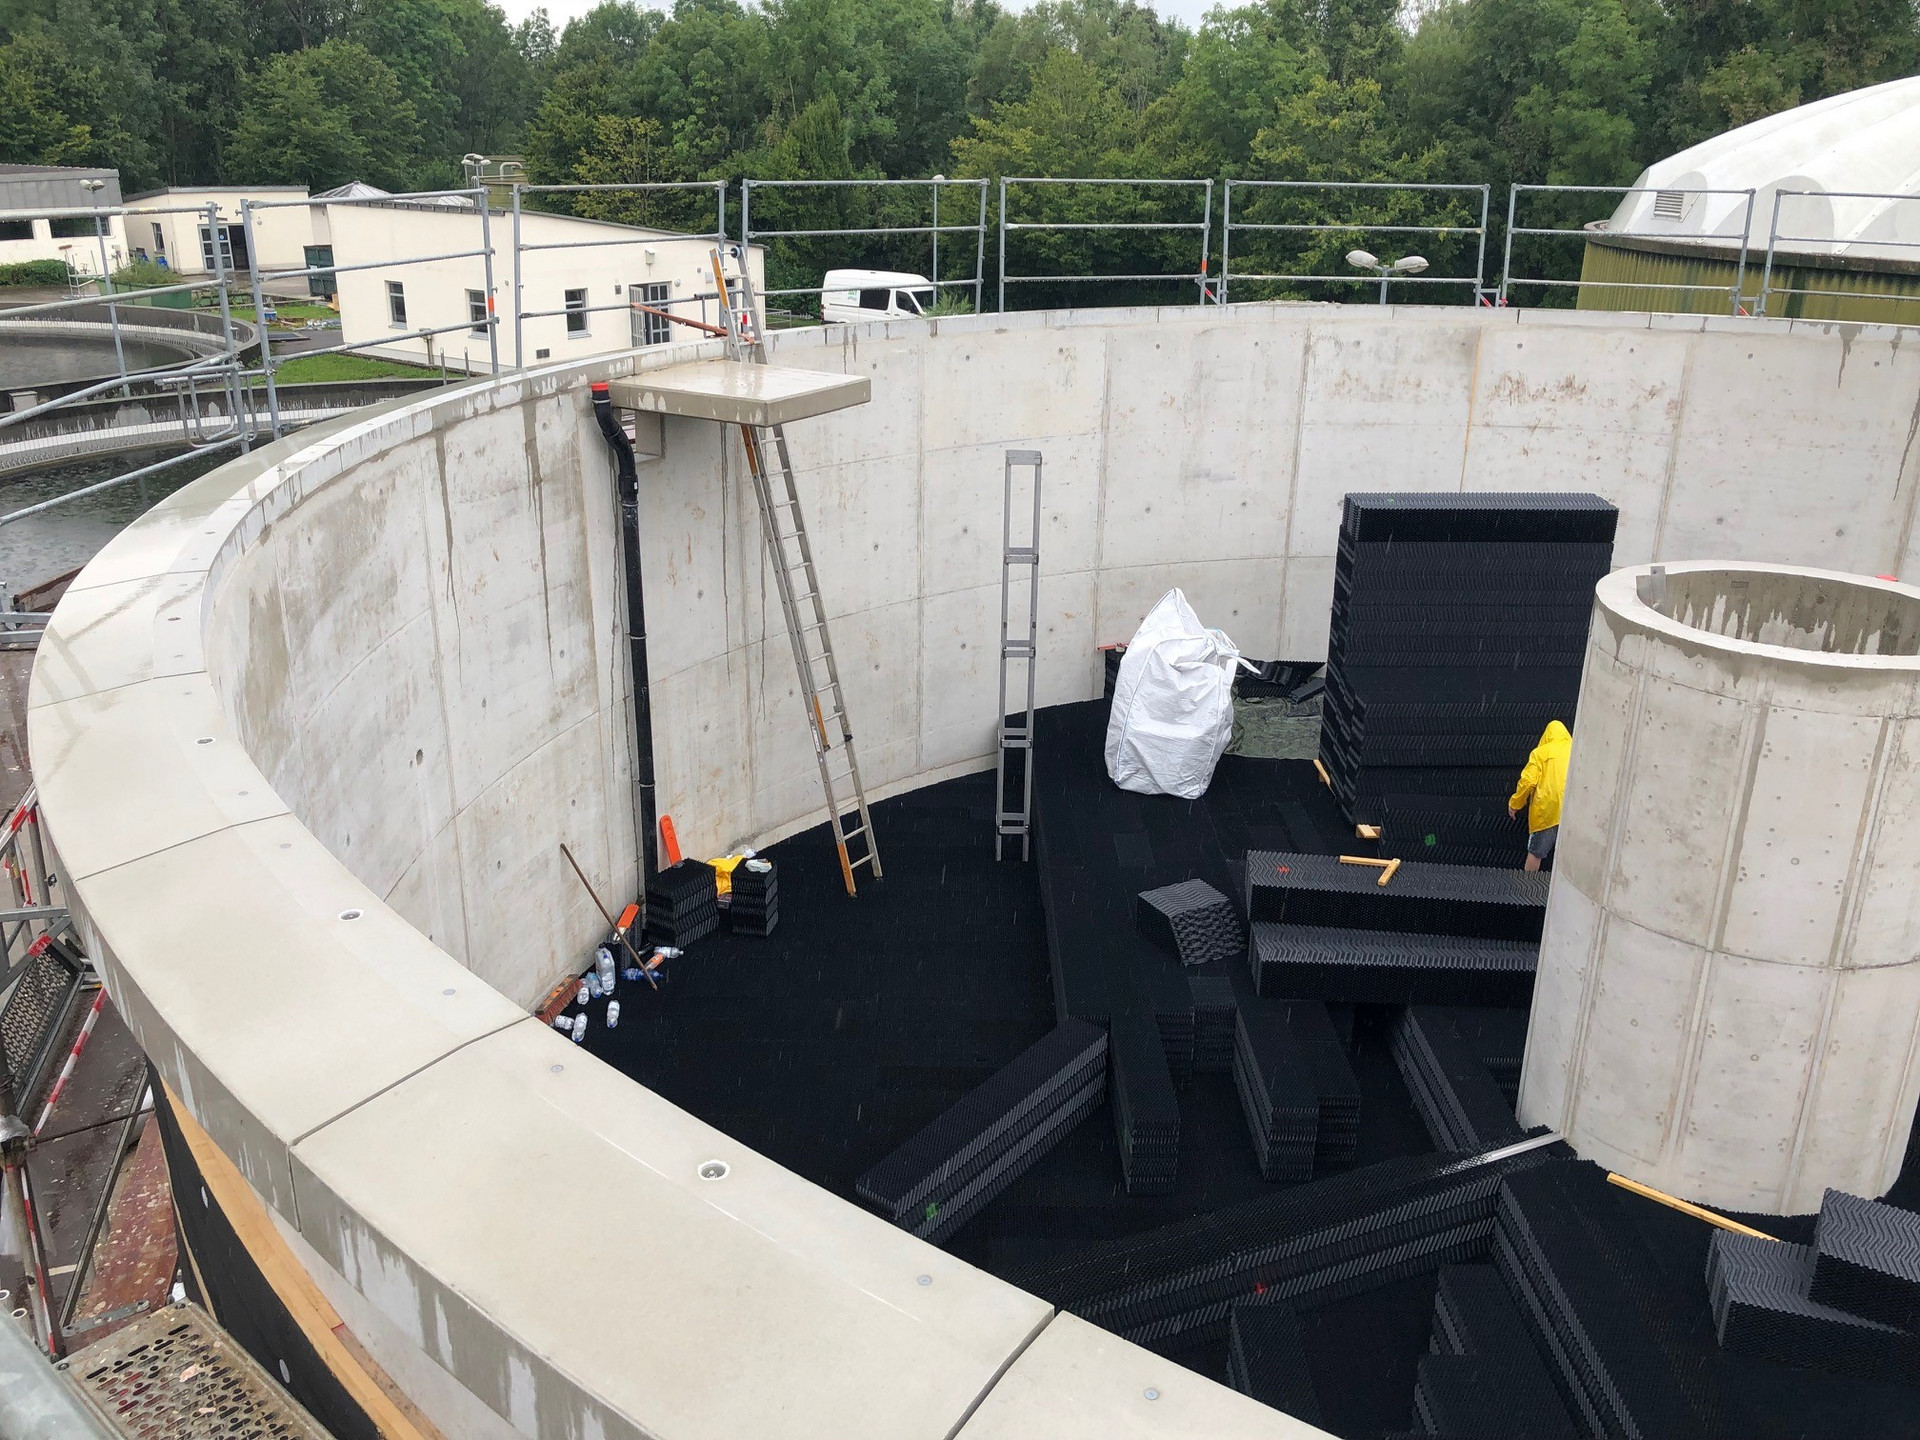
[(565, 10)]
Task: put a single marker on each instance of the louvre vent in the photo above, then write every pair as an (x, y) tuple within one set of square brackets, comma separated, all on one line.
[(1667, 204)]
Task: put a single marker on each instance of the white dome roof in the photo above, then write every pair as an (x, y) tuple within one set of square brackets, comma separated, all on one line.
[(1865, 143)]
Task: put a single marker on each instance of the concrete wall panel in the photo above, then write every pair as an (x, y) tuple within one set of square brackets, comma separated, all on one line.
[(401, 637)]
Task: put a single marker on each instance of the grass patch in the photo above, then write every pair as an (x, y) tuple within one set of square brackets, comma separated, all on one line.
[(321, 369)]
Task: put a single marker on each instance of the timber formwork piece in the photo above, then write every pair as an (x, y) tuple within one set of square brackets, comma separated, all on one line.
[(1454, 1094), (1308, 1245), (1759, 1293), (1458, 631), (1191, 920), (1614, 1330), (1867, 1259), (944, 1175), (1267, 1359)]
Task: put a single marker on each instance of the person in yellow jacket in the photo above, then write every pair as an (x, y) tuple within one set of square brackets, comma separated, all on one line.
[(1541, 785)]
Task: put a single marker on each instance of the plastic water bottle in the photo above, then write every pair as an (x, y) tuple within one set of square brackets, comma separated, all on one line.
[(613, 1014), (564, 1023), (579, 1028), (633, 972), (667, 952), (586, 994), (603, 966)]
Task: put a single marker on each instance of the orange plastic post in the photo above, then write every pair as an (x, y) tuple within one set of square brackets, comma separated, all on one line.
[(669, 842)]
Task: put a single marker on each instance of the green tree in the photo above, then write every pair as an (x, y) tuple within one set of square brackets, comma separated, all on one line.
[(323, 117), (53, 111)]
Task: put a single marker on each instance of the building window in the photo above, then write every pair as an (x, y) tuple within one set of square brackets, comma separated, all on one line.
[(206, 250), (576, 312), (71, 227), (477, 310), (320, 284), (16, 229), (159, 239), (650, 329), (397, 304)]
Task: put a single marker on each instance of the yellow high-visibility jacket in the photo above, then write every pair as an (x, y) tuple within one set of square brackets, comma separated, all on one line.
[(1544, 779)]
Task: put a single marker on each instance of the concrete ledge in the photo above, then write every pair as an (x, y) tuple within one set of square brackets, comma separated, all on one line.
[(307, 735)]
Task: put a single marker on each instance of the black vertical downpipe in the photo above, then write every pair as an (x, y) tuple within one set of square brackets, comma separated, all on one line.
[(629, 486)]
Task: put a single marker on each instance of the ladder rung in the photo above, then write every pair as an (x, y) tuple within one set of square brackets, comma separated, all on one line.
[(1023, 555), (846, 835), (1016, 742), (1019, 650), (867, 859)]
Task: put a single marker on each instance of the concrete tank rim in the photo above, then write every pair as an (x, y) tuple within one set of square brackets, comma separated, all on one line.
[(166, 566), (1618, 594)]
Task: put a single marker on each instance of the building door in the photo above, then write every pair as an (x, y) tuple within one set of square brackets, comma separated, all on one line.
[(649, 328), (237, 247)]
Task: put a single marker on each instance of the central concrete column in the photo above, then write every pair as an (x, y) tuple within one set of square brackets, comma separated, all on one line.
[(1728, 1001)]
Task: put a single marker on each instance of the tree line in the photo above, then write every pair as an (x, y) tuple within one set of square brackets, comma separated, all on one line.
[(394, 92)]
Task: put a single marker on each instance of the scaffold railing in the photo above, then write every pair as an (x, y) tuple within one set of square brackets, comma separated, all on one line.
[(933, 230), (1202, 226), (1355, 190)]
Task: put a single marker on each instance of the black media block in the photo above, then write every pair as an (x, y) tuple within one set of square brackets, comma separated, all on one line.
[(1325, 1056), (1308, 1245), (683, 904), (1213, 1011), (1278, 1095), (1758, 1290), (1146, 1116), (1377, 967), (1457, 1100), (1191, 920), (943, 1176), (1267, 1360), (1867, 1259), (1421, 899), (755, 907)]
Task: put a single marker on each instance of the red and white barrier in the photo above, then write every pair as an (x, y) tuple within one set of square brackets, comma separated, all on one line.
[(73, 1058)]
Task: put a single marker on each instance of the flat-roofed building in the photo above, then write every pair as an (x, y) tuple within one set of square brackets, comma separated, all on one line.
[(32, 226)]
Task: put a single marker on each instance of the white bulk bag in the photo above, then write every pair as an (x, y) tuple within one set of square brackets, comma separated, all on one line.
[(1172, 704)]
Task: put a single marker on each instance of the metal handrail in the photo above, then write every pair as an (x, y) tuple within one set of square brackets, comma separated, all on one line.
[(1508, 279), (1228, 225), (934, 230), (1204, 225), (1775, 237)]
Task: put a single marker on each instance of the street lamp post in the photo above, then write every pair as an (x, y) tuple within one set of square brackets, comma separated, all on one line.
[(1386, 270), (93, 189)]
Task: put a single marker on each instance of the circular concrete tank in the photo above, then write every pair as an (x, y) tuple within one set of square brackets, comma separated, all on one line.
[(1729, 985)]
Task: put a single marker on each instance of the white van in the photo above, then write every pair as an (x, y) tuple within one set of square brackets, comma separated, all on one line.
[(847, 295)]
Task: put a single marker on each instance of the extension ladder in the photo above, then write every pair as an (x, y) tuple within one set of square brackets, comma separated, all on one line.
[(1017, 735), (799, 586)]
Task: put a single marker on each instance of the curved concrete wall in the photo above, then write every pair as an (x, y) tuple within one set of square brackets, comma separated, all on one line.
[(1728, 1003), (309, 736)]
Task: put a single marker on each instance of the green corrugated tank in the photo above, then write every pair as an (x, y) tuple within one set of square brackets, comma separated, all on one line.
[(1702, 279)]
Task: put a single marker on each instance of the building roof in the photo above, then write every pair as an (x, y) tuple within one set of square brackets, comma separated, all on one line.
[(360, 190), (165, 190), (1851, 151)]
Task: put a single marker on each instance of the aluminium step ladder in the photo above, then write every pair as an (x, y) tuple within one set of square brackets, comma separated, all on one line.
[(1016, 736), (798, 584)]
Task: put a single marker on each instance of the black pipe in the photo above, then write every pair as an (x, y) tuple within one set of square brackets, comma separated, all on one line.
[(629, 488)]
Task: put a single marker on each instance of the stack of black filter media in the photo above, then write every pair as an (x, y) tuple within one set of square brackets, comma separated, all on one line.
[(1484, 1379), (683, 904), (1759, 1293), (1867, 1259), (944, 1175), (1498, 1036), (1611, 1324), (1309, 1245), (1278, 1094), (1213, 1027), (1456, 1098), (1146, 1116), (1434, 934), (1325, 1055), (1458, 631), (1191, 920), (1267, 1359), (755, 907)]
